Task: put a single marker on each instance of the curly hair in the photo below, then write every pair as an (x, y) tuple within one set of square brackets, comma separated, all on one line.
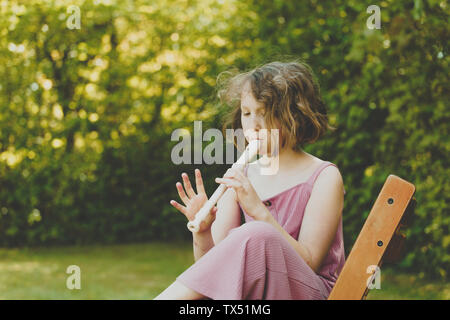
[(290, 94)]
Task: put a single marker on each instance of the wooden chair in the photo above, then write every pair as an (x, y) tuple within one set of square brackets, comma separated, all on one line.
[(381, 239)]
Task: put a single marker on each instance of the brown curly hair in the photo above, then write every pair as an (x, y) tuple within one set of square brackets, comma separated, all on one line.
[(290, 94)]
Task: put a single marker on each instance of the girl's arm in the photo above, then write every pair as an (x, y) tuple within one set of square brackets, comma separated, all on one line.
[(322, 216), (227, 217), (202, 243)]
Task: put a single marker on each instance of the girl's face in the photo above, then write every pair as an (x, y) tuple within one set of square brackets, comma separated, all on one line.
[(253, 122)]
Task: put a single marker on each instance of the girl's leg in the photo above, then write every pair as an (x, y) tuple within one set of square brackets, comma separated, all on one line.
[(178, 291)]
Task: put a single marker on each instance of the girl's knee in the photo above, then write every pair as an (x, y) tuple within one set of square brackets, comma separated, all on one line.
[(257, 231)]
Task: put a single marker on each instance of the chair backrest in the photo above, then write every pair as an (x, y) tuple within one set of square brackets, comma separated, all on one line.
[(380, 239)]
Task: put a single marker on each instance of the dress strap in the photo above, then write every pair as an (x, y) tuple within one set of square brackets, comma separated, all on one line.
[(314, 176), (316, 173)]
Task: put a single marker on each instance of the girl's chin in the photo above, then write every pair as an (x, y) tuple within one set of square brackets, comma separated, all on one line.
[(264, 149)]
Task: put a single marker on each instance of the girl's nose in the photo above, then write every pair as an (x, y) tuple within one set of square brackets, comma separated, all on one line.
[(253, 132), (257, 123)]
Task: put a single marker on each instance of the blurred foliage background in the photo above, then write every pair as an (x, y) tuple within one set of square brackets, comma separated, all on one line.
[(86, 115)]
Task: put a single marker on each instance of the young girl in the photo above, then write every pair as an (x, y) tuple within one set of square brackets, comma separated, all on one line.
[(291, 244)]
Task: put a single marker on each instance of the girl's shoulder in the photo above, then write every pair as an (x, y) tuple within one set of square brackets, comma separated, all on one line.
[(329, 174)]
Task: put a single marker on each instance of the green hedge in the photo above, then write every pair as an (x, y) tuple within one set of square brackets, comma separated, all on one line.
[(86, 114)]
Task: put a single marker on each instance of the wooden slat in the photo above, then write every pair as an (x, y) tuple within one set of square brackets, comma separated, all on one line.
[(394, 251), (375, 236)]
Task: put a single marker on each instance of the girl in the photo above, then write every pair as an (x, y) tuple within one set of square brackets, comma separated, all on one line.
[(291, 244)]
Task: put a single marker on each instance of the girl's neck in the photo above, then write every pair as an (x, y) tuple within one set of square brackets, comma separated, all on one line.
[(288, 158)]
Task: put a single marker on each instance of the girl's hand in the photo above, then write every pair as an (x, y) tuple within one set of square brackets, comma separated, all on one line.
[(246, 194), (194, 202)]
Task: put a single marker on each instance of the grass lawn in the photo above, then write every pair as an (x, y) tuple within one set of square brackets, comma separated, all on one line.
[(140, 271)]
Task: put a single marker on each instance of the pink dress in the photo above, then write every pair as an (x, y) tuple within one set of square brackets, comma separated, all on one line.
[(256, 262)]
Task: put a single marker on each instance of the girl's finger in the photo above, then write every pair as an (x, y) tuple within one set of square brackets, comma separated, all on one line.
[(239, 175), (178, 206), (187, 185), (199, 182), (181, 193), (229, 173), (234, 174), (229, 182)]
